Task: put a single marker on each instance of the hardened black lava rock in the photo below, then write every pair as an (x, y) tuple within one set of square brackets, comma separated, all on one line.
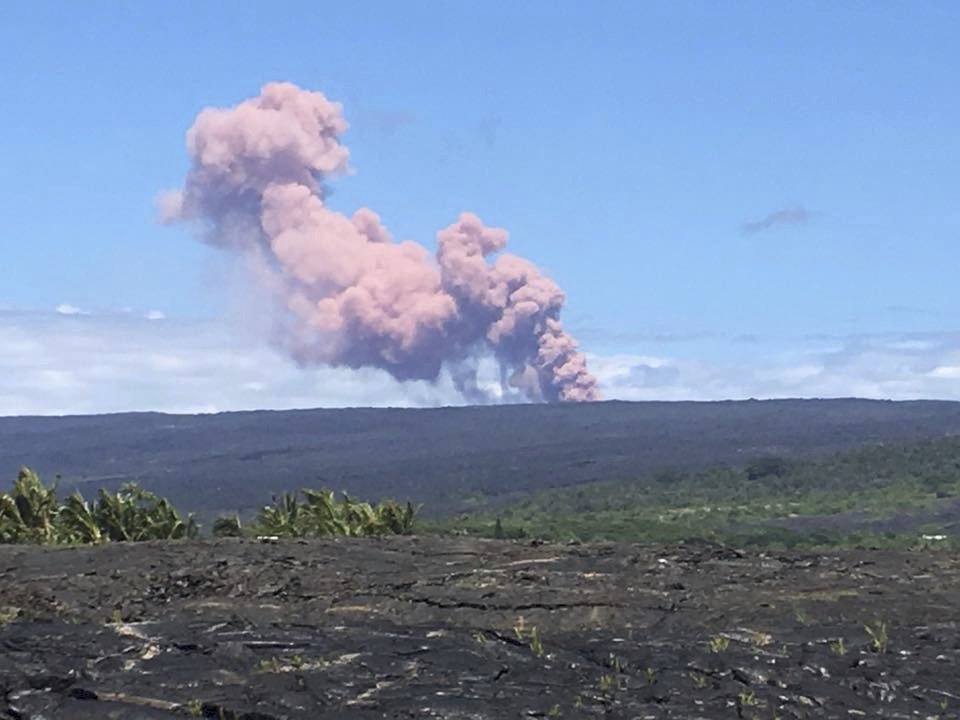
[(466, 628)]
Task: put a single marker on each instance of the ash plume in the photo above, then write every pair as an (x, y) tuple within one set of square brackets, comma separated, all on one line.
[(347, 293)]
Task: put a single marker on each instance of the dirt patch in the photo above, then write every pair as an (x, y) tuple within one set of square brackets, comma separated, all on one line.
[(464, 628)]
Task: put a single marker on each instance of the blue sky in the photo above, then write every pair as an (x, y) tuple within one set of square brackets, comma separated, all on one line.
[(625, 146)]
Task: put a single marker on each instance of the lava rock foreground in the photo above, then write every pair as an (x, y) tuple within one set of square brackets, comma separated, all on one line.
[(465, 628)]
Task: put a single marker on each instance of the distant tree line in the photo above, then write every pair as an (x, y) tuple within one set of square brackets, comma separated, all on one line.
[(835, 500), (31, 512)]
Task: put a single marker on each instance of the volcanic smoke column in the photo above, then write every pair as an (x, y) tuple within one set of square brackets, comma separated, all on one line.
[(350, 295)]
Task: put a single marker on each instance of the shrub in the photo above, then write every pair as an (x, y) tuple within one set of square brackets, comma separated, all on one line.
[(31, 513)]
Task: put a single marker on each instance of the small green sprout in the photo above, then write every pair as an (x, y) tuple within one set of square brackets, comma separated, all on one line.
[(877, 630), (536, 645), (838, 647), (614, 663), (719, 643)]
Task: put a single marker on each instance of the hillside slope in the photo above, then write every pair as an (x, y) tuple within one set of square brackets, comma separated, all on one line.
[(235, 461)]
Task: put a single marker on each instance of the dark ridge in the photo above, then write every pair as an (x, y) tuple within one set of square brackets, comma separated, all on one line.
[(444, 456)]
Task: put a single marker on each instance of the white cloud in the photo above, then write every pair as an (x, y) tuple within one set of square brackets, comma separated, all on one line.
[(52, 363), (156, 315), (903, 367), (947, 372), (66, 309)]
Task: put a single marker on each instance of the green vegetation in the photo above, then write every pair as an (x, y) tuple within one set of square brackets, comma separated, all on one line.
[(719, 643), (320, 514), (530, 636), (877, 630), (838, 647), (31, 513), (770, 502), (877, 496), (228, 526)]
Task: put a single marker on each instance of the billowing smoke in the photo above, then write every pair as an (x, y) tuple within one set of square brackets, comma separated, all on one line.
[(350, 295)]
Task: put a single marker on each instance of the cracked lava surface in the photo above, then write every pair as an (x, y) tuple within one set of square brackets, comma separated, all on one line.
[(430, 627)]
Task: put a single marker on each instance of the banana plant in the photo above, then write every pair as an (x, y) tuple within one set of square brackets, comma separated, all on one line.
[(359, 518), (321, 515), (282, 517), (78, 521), (394, 518), (133, 514), (11, 524), (227, 526), (28, 514)]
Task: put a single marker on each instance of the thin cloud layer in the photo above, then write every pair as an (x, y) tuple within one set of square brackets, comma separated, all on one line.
[(897, 367), (56, 364), (787, 216)]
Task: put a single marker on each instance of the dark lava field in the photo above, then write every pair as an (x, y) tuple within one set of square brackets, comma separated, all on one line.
[(466, 628), (441, 457)]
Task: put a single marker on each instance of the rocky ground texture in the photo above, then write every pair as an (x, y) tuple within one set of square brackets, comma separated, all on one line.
[(464, 628)]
